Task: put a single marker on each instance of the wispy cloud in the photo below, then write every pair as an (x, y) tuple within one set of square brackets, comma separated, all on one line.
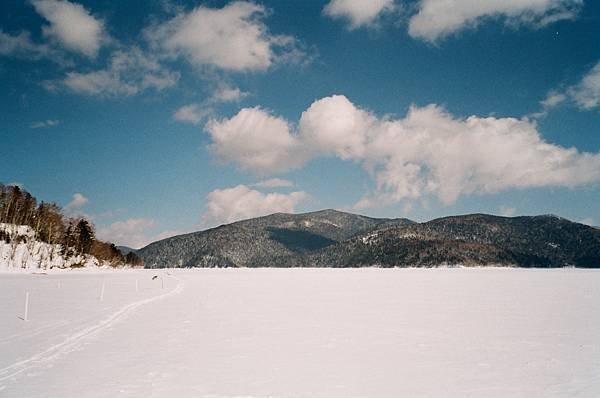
[(585, 94), (194, 113), (274, 183), (45, 124), (436, 19), (227, 93), (22, 46), (128, 73), (358, 13)]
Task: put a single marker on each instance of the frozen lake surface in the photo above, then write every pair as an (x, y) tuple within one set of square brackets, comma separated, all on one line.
[(302, 333)]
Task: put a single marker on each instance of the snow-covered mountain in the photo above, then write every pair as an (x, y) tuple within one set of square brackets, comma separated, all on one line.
[(279, 240), (474, 240), (336, 239)]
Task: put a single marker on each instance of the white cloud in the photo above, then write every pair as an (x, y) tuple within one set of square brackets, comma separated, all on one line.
[(192, 113), (507, 211), (134, 232), (255, 141), (226, 93), (78, 200), (233, 37), (22, 46), (437, 19), (358, 12), (73, 208), (241, 202), (44, 124), (553, 99), (427, 152), (274, 183), (71, 25), (128, 73), (333, 125), (586, 94), (431, 151)]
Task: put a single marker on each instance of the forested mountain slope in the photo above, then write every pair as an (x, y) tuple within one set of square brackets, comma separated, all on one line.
[(331, 238), (476, 239), (276, 240)]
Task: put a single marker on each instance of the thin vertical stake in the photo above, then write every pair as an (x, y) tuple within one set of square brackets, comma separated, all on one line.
[(102, 292), (26, 314)]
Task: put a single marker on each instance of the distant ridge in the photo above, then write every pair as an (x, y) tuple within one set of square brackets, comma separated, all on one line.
[(126, 250), (331, 238)]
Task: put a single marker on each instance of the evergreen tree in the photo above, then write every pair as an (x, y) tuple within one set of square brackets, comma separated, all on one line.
[(85, 236), (134, 260)]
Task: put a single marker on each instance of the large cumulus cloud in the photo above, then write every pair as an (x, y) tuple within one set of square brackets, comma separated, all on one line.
[(429, 151)]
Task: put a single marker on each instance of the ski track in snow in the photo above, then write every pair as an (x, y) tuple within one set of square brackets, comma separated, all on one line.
[(74, 340), (17, 336)]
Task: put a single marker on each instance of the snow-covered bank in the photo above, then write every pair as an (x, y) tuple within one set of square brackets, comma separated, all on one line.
[(304, 333), (23, 253)]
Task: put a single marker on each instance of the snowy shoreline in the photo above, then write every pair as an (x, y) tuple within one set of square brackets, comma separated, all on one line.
[(125, 270)]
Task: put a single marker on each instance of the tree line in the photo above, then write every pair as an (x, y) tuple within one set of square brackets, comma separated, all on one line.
[(76, 235)]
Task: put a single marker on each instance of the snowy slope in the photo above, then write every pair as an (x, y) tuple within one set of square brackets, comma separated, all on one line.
[(25, 253), (303, 333)]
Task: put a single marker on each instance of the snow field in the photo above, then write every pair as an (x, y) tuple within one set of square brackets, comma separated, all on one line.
[(64, 308), (304, 333)]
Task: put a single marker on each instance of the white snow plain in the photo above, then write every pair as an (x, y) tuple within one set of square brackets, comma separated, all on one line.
[(446, 332)]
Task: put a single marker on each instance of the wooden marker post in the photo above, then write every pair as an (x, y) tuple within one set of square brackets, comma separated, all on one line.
[(26, 314)]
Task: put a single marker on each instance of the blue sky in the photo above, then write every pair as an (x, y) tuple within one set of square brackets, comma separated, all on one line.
[(171, 116)]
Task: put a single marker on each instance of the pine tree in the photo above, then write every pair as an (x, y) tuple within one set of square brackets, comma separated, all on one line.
[(85, 236)]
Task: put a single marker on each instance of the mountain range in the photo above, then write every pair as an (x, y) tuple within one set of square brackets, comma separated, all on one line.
[(331, 238)]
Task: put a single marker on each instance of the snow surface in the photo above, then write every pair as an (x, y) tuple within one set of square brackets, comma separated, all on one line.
[(484, 332)]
